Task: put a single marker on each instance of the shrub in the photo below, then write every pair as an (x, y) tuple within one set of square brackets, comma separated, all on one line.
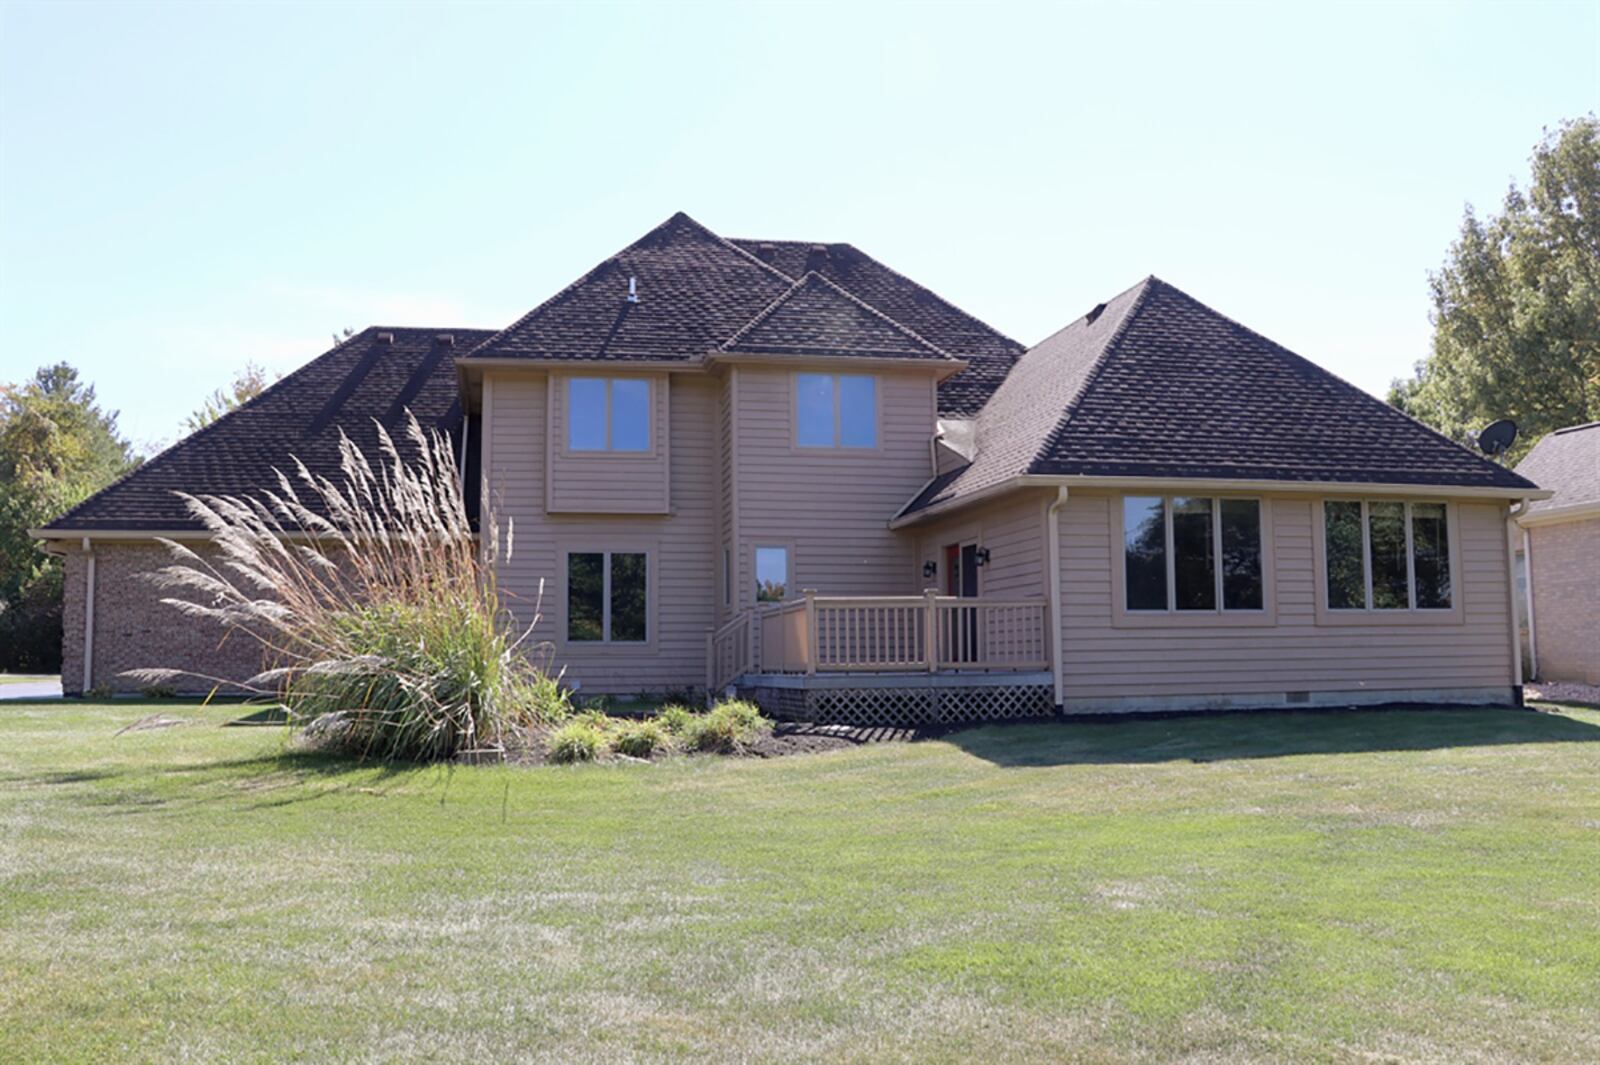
[(158, 691), (675, 719), (726, 726), (370, 597), (576, 741), (641, 739)]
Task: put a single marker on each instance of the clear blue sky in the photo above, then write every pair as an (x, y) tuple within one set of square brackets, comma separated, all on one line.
[(184, 188)]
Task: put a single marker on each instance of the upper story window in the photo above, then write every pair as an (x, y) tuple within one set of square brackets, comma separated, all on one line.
[(1191, 553), (608, 414), (1386, 555), (836, 410)]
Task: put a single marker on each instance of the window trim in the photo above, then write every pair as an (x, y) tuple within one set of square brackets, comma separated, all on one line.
[(607, 548), (838, 427), (1124, 618), (609, 451), (1454, 614), (791, 590)]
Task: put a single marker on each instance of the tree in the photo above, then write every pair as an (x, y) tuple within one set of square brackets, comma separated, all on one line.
[(1516, 306), (247, 384), (57, 447)]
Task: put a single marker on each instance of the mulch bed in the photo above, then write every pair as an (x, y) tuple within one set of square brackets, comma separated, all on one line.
[(786, 738)]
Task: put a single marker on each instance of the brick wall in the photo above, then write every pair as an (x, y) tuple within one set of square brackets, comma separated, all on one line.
[(1566, 599), (133, 629)]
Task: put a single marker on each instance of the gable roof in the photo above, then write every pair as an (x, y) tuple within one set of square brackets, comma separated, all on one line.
[(817, 317), (1567, 462), (363, 379), (696, 290), (989, 354), (1156, 384)]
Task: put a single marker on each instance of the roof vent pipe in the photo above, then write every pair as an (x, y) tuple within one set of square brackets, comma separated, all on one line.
[(1089, 318), (633, 290), (385, 338)]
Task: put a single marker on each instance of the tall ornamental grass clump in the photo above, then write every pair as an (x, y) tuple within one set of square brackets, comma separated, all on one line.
[(374, 604)]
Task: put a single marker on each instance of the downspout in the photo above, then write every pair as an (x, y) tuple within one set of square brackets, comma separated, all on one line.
[(88, 619), (1511, 595), (1053, 535), (1527, 592), (461, 460)]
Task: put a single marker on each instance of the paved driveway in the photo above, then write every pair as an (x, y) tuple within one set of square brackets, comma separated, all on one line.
[(32, 688)]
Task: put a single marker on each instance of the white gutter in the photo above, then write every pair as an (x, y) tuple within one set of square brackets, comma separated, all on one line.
[(1157, 485), (461, 460), (1527, 591), (88, 619), (1511, 590), (1053, 535), (1552, 515)]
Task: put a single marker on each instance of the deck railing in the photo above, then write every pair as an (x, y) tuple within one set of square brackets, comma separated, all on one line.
[(902, 634), (730, 652)]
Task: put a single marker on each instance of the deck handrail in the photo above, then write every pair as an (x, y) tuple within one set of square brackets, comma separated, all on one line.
[(729, 652), (901, 634)]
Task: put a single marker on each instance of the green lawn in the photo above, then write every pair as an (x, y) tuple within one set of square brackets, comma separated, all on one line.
[(1373, 886)]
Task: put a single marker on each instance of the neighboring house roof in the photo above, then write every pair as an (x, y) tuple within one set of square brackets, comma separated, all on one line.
[(360, 380), (1154, 383), (989, 353), (1567, 462), (817, 317)]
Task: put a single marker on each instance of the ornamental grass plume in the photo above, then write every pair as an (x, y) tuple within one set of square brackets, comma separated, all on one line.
[(376, 606)]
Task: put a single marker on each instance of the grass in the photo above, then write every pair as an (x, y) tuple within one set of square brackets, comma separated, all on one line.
[(25, 678), (1311, 887)]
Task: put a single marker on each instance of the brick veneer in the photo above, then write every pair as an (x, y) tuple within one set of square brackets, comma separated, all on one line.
[(1566, 599), (133, 629)]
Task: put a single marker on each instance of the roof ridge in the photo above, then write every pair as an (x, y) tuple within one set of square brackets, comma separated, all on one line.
[(807, 278), (1365, 396), (184, 442), (1051, 438), (1580, 427)]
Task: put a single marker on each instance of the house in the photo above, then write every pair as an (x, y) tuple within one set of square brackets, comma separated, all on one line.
[(1561, 551), (784, 468)]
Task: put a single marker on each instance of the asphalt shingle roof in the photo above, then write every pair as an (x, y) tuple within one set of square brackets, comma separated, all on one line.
[(817, 317), (1160, 385), (346, 388), (989, 353), (1567, 462)]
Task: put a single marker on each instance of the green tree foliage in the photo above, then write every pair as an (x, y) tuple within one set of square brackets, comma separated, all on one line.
[(1516, 306), (247, 384), (57, 447)]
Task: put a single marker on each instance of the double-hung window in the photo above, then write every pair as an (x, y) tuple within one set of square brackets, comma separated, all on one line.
[(1386, 555), (608, 414), (1191, 553), (836, 410), (607, 596)]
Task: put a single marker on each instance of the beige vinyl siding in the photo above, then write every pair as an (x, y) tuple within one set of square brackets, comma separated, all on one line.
[(1012, 529), (834, 505), (610, 482), (727, 499), (681, 545), (1294, 653)]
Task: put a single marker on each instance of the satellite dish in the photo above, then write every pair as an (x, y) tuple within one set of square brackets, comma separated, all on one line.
[(1496, 438)]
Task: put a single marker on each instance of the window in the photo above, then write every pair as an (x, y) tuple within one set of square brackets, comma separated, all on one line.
[(608, 414), (836, 410), (1191, 553), (772, 574), (606, 597), (1386, 555)]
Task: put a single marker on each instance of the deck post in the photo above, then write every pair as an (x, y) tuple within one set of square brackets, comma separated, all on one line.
[(811, 629), (930, 637)]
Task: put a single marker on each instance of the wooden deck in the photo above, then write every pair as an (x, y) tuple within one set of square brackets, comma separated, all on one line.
[(930, 635)]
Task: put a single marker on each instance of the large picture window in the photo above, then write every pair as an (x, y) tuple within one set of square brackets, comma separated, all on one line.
[(607, 593), (608, 414), (1191, 553), (836, 410), (1386, 555)]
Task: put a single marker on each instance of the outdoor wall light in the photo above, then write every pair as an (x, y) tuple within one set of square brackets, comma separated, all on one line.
[(982, 556), (929, 569)]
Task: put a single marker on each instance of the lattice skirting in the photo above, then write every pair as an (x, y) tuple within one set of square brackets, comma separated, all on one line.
[(902, 707)]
